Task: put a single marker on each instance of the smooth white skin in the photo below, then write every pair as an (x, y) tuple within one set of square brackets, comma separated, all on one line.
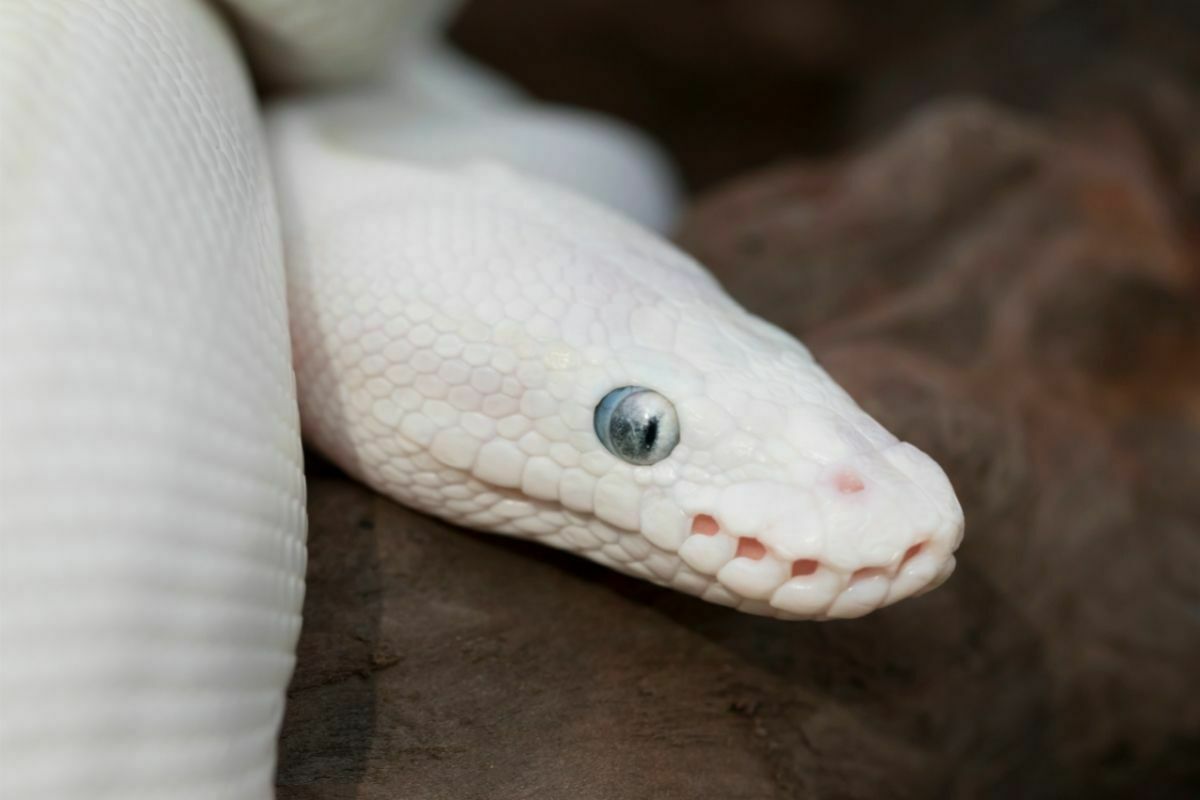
[(454, 325), (151, 487)]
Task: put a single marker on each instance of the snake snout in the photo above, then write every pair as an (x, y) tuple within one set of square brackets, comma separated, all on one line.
[(865, 533)]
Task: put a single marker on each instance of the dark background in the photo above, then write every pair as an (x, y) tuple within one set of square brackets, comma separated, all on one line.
[(984, 218), (729, 85)]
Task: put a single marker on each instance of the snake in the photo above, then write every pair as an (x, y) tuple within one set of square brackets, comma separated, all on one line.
[(463, 298)]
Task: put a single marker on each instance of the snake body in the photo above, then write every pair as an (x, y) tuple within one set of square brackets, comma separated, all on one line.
[(459, 327)]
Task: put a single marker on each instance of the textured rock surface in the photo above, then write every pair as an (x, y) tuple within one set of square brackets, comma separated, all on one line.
[(1020, 305), (1016, 296)]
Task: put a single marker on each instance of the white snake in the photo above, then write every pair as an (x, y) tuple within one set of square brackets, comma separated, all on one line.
[(458, 332)]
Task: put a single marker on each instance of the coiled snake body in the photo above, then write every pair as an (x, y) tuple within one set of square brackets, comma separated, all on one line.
[(469, 335)]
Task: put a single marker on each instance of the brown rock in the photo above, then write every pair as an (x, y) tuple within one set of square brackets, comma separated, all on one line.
[(1024, 307), (1021, 304)]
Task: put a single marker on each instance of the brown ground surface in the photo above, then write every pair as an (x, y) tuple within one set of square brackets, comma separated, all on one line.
[(1017, 293)]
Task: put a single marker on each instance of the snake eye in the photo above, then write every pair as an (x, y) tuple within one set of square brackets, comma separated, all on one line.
[(637, 425)]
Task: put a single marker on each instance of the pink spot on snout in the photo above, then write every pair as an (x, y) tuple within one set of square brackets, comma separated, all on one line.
[(848, 482), (705, 525), (750, 548), (804, 566)]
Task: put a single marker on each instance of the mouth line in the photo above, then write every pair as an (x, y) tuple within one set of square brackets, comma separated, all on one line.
[(744, 571), (809, 587)]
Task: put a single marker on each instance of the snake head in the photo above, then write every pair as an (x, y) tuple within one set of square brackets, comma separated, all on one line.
[(514, 359)]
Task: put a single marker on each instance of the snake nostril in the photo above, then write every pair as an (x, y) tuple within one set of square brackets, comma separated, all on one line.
[(705, 525), (803, 567), (750, 548), (848, 482)]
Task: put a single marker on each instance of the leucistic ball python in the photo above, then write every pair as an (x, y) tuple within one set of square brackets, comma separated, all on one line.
[(482, 326)]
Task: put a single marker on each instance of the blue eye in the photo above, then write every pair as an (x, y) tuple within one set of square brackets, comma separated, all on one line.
[(637, 425)]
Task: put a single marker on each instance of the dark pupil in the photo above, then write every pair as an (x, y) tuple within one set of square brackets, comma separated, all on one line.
[(650, 434), (633, 437)]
